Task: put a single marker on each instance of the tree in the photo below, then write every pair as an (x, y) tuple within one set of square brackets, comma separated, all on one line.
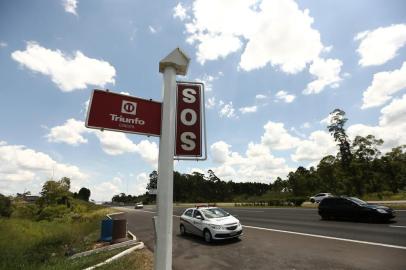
[(153, 181), (56, 192), (5, 206), (336, 128), (84, 194)]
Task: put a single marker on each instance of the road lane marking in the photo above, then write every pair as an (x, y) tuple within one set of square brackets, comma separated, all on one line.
[(153, 212), (397, 226), (254, 211), (328, 237)]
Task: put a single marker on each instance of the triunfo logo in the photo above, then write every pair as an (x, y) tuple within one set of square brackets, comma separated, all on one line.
[(129, 107)]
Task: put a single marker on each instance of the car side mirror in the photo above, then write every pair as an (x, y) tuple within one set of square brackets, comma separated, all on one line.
[(199, 217)]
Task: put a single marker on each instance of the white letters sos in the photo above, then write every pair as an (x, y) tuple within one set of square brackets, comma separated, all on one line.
[(188, 117)]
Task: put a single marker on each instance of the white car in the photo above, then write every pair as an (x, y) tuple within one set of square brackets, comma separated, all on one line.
[(212, 223), (318, 197), (139, 205)]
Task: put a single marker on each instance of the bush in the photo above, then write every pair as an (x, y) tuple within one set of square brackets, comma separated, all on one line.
[(53, 211), (5, 206), (28, 211), (297, 201)]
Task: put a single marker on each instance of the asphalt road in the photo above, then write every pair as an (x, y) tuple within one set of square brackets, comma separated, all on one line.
[(285, 238)]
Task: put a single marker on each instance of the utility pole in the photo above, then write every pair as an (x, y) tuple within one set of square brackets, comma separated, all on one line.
[(176, 63)]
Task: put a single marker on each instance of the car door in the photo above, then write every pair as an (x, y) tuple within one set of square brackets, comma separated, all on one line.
[(187, 220), (197, 222)]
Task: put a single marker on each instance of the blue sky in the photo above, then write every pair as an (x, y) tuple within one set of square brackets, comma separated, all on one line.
[(273, 72)]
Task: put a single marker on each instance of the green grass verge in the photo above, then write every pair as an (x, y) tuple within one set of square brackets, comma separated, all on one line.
[(136, 260), (29, 244)]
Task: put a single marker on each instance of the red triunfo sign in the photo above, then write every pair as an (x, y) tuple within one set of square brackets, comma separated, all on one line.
[(124, 113), (189, 120)]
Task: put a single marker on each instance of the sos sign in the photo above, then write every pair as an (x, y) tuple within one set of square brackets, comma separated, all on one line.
[(190, 121)]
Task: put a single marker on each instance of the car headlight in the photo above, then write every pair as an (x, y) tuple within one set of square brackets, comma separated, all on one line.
[(217, 227), (382, 211)]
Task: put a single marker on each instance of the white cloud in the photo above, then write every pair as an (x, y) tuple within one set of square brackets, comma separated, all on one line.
[(258, 164), (394, 113), (152, 29), (19, 165), (327, 73), (260, 96), (391, 127), (250, 109), (277, 137), (211, 102), (70, 132), (105, 191), (3, 44), (228, 111), (305, 125), (68, 73), (140, 186), (115, 143), (112, 143), (326, 121), (179, 12), (220, 151), (70, 6), (285, 97), (148, 151), (272, 31), (319, 145), (208, 80), (384, 85), (380, 45)]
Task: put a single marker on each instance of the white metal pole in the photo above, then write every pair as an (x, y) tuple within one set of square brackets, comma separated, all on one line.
[(163, 252)]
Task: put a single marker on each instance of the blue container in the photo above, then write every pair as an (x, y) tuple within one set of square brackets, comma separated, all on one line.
[(106, 230)]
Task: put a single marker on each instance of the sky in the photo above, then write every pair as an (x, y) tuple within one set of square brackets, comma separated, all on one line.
[(273, 71)]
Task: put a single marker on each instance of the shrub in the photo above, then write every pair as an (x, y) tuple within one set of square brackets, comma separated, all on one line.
[(28, 211), (53, 211), (5, 206), (297, 201)]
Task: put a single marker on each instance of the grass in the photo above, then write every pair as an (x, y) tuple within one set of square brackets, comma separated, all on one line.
[(30, 244), (137, 260)]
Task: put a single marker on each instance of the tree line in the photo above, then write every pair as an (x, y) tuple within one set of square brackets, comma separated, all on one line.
[(359, 168)]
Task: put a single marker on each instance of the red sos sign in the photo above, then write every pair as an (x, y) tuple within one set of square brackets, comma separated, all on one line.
[(189, 121)]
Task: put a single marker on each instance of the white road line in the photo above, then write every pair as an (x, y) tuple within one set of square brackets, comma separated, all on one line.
[(397, 226), (328, 237), (253, 211), (150, 212)]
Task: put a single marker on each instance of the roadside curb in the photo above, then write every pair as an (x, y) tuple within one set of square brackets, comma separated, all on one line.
[(140, 245), (134, 241)]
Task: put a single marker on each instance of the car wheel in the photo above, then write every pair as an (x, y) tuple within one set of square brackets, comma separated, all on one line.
[(207, 236), (312, 200), (182, 230)]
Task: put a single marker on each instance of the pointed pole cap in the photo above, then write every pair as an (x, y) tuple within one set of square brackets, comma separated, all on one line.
[(177, 59)]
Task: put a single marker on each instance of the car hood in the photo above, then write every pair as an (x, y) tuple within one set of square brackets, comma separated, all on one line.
[(224, 220)]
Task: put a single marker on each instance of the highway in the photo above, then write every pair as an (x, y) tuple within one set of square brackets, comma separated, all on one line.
[(285, 238)]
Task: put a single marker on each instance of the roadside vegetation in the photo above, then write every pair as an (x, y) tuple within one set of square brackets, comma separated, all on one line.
[(359, 169), (41, 234)]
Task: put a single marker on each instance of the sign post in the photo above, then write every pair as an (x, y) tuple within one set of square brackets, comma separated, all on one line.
[(176, 63)]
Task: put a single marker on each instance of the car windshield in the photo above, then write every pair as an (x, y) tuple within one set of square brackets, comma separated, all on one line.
[(214, 213), (357, 201)]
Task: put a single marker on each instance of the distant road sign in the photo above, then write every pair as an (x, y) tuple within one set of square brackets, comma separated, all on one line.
[(190, 121), (124, 113)]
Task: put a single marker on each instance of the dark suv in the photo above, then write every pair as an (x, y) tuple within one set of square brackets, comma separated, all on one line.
[(353, 209)]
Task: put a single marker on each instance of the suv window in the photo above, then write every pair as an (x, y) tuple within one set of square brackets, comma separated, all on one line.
[(189, 212)]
